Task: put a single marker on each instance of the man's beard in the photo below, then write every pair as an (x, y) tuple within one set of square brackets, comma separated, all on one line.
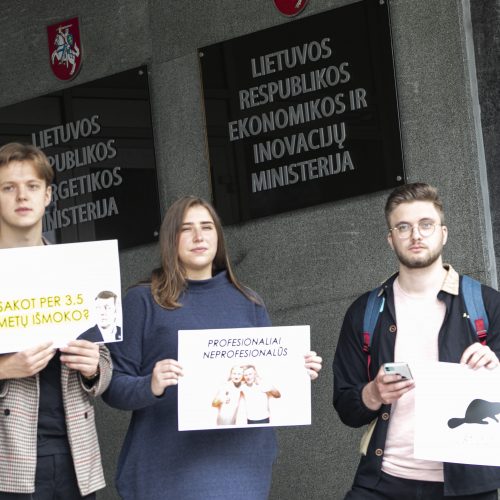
[(419, 262)]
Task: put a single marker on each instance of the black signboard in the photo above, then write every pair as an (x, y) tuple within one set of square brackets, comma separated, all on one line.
[(99, 139), (302, 113)]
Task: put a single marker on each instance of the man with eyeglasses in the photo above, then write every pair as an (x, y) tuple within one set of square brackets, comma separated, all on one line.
[(423, 318)]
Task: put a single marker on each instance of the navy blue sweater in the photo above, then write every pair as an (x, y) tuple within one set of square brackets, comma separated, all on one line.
[(157, 461)]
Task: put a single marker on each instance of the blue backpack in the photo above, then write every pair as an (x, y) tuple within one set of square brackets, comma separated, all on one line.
[(474, 305)]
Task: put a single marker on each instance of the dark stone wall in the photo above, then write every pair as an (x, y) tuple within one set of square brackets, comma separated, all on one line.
[(485, 16)]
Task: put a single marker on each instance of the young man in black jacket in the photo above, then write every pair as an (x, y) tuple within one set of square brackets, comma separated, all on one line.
[(424, 298)]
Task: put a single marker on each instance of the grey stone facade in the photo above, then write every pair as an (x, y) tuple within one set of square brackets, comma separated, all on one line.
[(309, 264)]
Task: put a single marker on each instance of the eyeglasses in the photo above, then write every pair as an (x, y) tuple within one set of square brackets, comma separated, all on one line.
[(426, 228)]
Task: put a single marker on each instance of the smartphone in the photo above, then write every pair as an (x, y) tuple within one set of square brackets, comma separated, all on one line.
[(398, 369)]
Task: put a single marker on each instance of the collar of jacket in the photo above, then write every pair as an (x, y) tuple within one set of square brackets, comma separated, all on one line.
[(450, 284)]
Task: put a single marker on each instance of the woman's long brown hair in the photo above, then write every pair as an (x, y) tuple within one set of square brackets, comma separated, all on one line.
[(169, 280)]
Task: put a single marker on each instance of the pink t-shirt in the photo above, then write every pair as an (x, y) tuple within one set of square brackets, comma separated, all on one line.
[(419, 319)]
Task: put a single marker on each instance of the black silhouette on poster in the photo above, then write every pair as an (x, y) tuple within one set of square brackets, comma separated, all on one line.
[(476, 413)]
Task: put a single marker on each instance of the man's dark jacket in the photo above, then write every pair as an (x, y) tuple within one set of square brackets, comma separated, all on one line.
[(94, 334)]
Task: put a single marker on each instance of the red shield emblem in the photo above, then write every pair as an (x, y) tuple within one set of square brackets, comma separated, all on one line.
[(65, 49), (290, 7)]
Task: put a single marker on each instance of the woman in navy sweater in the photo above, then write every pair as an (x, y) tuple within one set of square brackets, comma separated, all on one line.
[(194, 288)]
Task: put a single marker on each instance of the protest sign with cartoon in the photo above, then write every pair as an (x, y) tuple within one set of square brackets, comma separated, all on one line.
[(457, 412)]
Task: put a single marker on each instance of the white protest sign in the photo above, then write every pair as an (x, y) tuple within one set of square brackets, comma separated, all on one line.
[(244, 377), (457, 412), (49, 293)]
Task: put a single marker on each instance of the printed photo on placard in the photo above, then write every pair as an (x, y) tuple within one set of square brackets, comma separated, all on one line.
[(244, 377), (60, 293)]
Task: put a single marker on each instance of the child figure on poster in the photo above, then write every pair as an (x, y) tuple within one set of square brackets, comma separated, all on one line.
[(257, 394), (228, 399)]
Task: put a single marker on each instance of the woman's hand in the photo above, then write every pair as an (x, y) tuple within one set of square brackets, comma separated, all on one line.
[(313, 364), (165, 374)]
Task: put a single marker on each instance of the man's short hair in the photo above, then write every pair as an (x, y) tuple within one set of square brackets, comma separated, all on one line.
[(14, 151), (415, 191), (106, 294)]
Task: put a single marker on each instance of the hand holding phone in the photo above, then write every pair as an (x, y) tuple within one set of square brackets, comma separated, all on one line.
[(398, 368)]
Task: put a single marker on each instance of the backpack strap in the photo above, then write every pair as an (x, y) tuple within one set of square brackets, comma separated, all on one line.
[(473, 298), (374, 307)]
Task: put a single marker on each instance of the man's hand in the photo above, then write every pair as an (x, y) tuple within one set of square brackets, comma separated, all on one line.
[(478, 355), (165, 374), (82, 356), (385, 389), (26, 363), (313, 364)]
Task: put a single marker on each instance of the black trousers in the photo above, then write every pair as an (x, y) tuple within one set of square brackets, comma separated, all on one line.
[(395, 488), (263, 421), (55, 480)]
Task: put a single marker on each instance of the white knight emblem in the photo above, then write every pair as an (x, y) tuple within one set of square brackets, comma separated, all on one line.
[(65, 48)]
